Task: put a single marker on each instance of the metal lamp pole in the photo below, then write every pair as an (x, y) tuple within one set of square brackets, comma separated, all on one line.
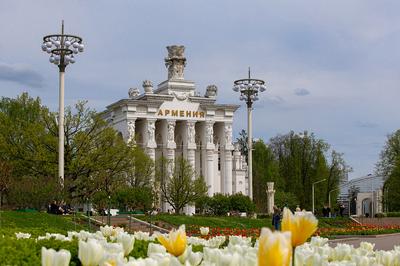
[(249, 89), (313, 194), (61, 48), (108, 213)]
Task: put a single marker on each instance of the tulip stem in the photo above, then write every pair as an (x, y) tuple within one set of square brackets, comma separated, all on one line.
[(293, 256)]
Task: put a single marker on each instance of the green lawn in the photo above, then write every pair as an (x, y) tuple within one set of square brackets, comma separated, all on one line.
[(210, 221), (337, 222), (234, 222), (36, 223)]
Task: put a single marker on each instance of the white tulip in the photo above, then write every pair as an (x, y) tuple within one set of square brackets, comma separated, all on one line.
[(384, 257), (155, 249), (22, 235), (90, 253), (113, 259), (342, 252), (114, 248), (318, 241), (106, 230), (127, 242), (204, 231), (139, 235), (50, 257)]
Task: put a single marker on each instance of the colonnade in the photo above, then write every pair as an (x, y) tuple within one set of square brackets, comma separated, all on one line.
[(206, 145)]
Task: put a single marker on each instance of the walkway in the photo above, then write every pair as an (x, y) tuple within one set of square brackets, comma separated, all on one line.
[(382, 242)]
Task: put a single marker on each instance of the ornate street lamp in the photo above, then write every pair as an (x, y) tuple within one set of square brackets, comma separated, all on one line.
[(62, 48), (249, 89)]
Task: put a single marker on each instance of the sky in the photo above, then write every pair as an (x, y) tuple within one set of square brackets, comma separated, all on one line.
[(331, 67)]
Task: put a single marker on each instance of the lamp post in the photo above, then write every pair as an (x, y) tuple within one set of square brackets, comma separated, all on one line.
[(108, 212), (61, 48), (249, 89), (313, 194)]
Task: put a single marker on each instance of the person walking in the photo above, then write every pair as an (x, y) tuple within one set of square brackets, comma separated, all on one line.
[(276, 218)]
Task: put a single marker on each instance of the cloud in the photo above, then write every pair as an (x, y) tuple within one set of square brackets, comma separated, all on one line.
[(273, 100), (21, 74), (366, 124), (301, 92)]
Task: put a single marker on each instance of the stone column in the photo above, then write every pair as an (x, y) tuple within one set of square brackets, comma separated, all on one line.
[(210, 156), (270, 197), (130, 138), (170, 153), (190, 156), (150, 138), (228, 147), (171, 145)]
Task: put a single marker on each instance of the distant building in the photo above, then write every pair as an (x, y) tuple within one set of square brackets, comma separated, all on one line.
[(364, 195)]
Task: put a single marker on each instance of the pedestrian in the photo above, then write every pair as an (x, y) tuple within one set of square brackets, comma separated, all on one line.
[(276, 218), (325, 212), (341, 209)]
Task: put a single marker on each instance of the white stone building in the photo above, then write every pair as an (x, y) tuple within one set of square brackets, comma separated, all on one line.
[(174, 120)]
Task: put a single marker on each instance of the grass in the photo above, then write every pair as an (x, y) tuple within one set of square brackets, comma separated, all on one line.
[(36, 223), (210, 221), (337, 222)]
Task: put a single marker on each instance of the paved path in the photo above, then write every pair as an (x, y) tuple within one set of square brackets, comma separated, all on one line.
[(382, 242)]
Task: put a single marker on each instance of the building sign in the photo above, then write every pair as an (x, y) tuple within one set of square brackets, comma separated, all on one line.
[(180, 113)]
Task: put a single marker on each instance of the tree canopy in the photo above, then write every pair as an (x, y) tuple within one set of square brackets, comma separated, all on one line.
[(96, 156), (294, 162), (388, 167), (180, 186)]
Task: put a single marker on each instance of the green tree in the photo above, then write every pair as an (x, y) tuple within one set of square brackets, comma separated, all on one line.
[(286, 199), (182, 186), (389, 155), (265, 169), (96, 156), (338, 170), (392, 190), (26, 140), (302, 161), (5, 179), (33, 192), (388, 167), (242, 141), (141, 171)]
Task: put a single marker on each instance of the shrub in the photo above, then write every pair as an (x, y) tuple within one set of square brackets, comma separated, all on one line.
[(288, 199), (393, 214), (203, 204), (220, 204), (380, 215), (241, 203), (263, 216)]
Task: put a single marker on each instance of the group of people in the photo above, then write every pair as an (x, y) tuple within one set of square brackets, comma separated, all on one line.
[(60, 209), (277, 214), (326, 210), (277, 217)]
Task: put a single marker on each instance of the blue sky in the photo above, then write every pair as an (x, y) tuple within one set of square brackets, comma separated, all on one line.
[(332, 67)]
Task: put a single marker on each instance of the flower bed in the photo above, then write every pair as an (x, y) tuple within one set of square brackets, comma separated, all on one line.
[(357, 229), (113, 246), (194, 230)]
